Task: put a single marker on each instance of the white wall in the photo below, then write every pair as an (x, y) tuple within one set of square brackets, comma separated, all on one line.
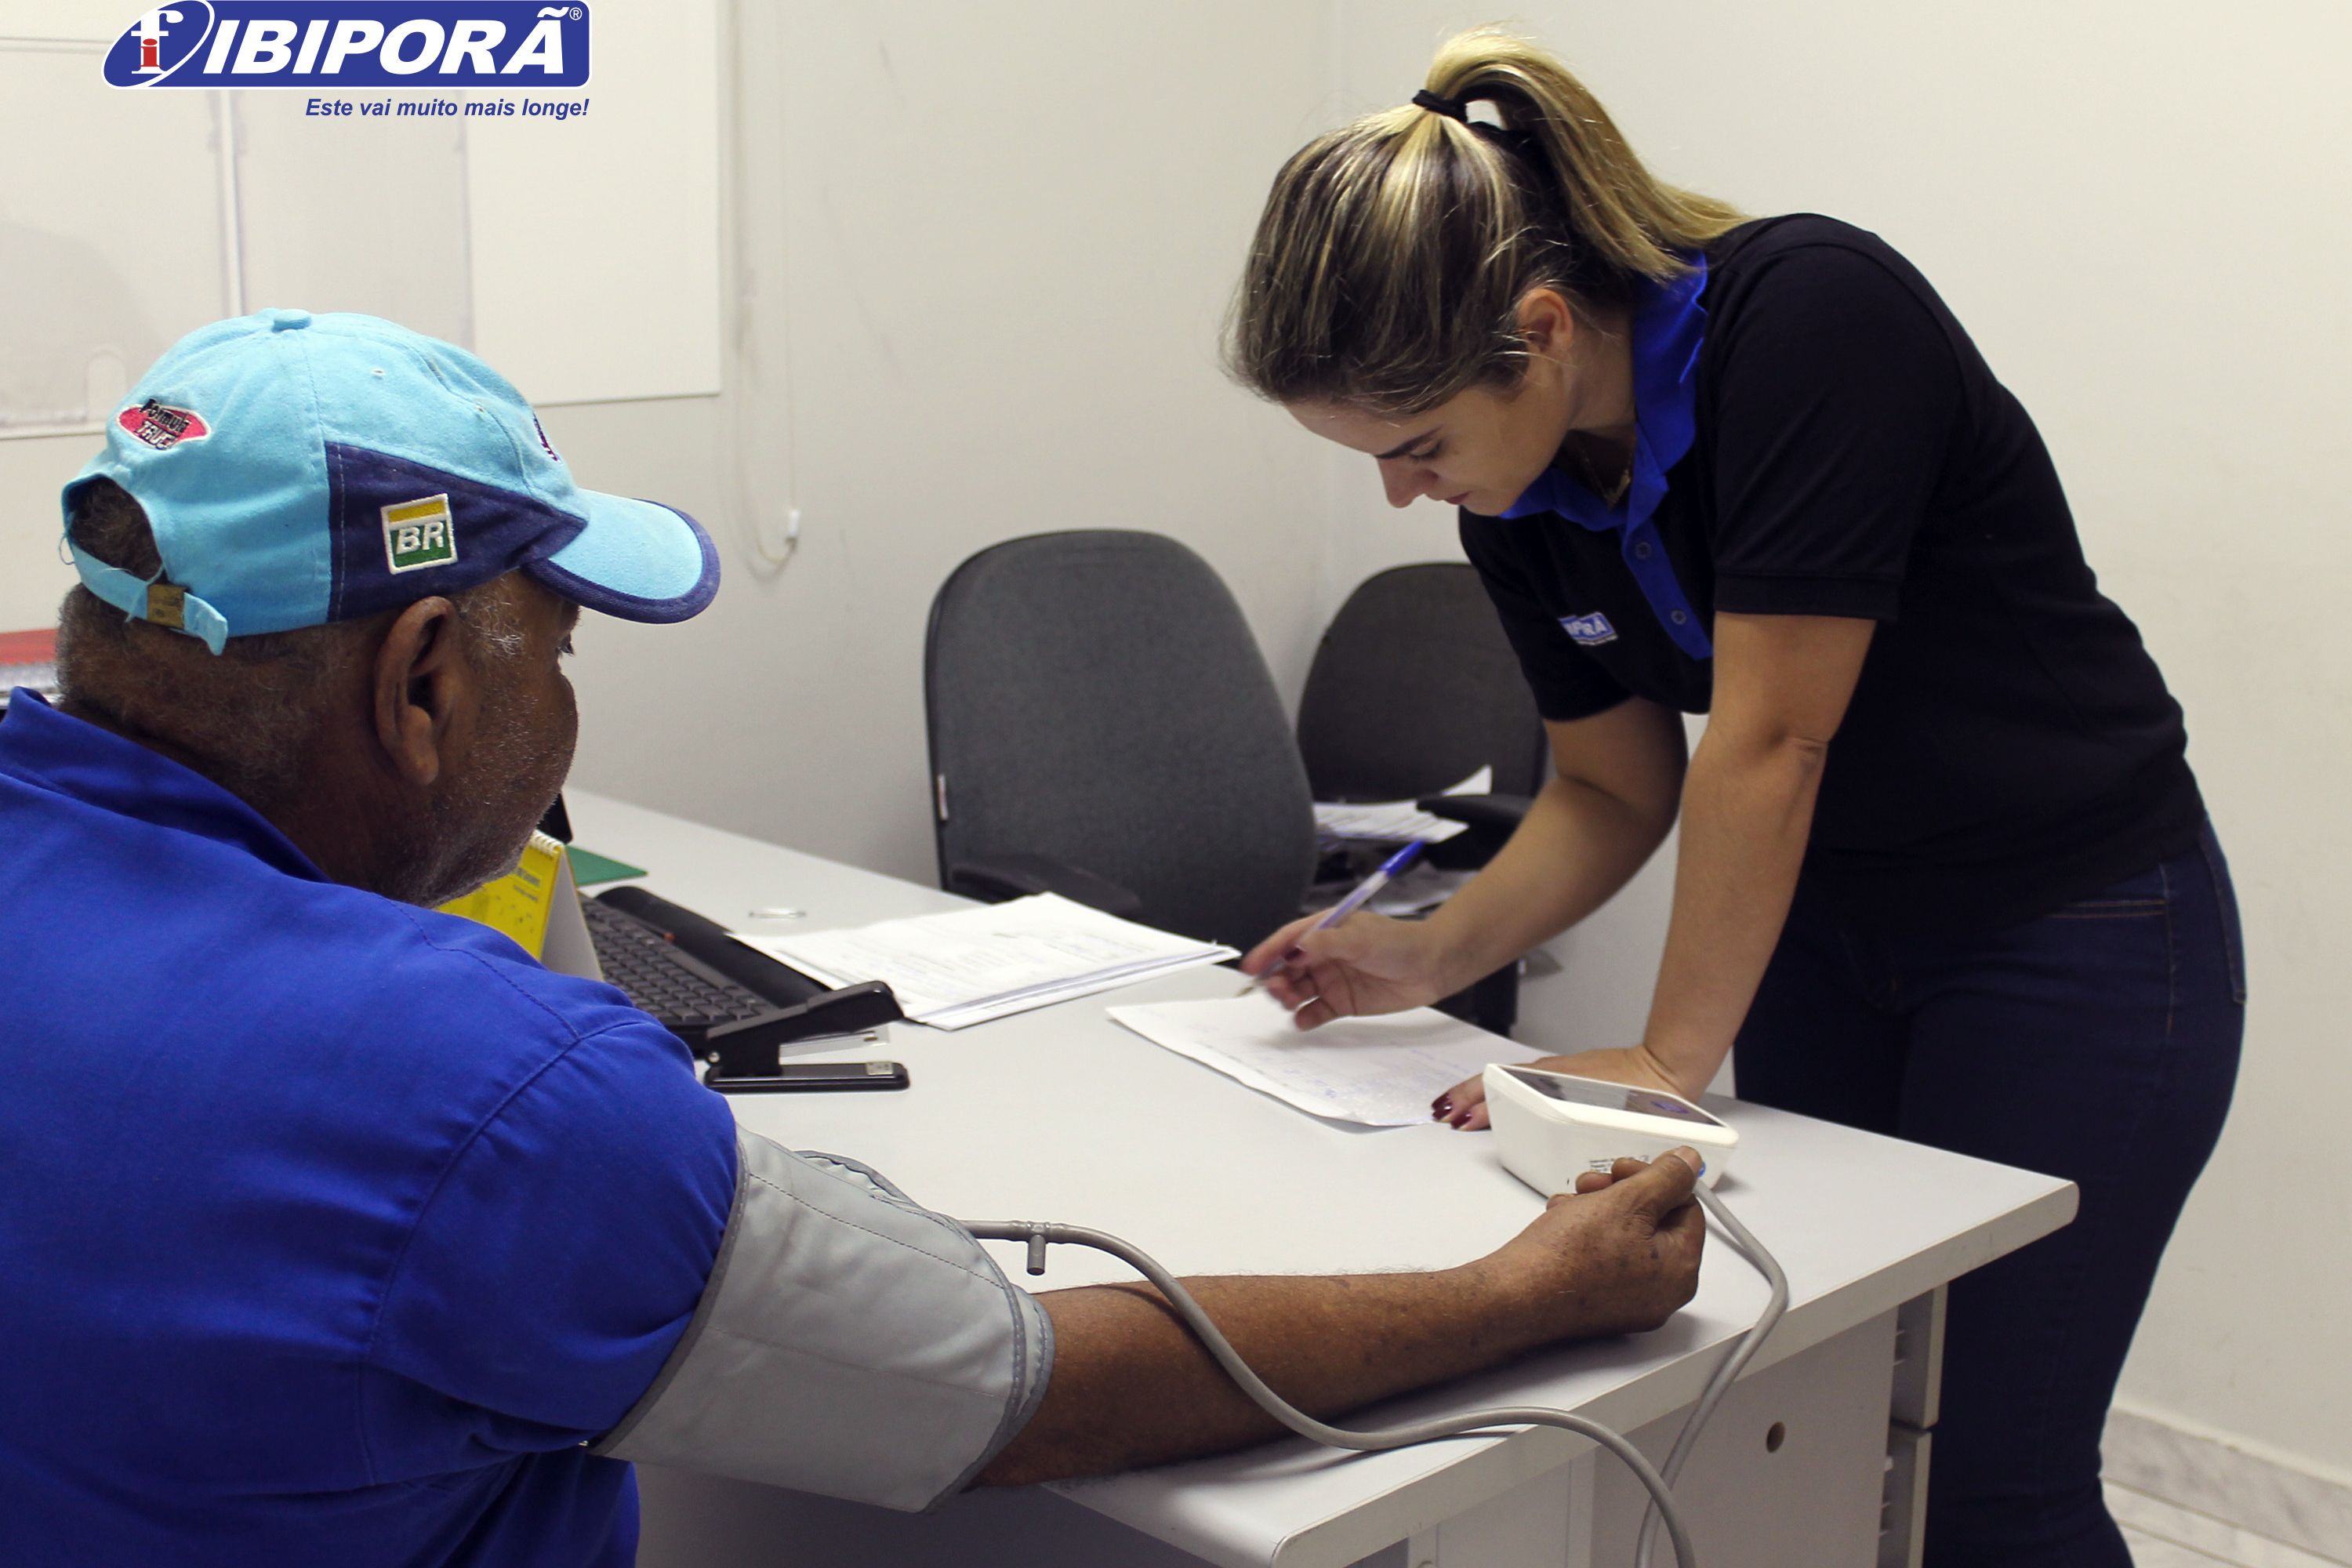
[(990, 246), (510, 236), (2139, 213)]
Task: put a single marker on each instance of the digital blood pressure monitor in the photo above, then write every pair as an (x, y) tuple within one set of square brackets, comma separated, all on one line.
[(1551, 1127)]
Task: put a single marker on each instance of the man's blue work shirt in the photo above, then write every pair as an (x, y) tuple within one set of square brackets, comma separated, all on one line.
[(329, 1228)]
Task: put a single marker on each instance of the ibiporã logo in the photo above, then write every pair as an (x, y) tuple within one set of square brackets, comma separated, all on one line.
[(435, 45), (419, 534)]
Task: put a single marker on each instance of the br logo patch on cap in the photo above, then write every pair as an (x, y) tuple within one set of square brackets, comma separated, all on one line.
[(162, 427), (418, 534)]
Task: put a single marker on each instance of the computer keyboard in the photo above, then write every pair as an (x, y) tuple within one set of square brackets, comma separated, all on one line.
[(685, 995)]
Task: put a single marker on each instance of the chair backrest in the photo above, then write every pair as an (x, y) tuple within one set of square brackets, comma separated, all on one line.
[(1413, 689), (1097, 696)]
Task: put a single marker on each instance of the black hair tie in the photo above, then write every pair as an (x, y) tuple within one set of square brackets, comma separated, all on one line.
[(1454, 108)]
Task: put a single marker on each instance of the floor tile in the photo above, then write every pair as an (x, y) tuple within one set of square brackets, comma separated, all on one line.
[(2275, 1501), (2148, 1552), (2154, 1519)]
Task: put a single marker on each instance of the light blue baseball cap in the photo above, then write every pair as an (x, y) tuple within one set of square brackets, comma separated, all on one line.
[(298, 470)]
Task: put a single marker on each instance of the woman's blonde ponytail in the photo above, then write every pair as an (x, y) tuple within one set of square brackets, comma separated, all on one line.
[(1390, 262)]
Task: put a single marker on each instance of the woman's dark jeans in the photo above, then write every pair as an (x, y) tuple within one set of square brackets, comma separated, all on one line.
[(2098, 1043)]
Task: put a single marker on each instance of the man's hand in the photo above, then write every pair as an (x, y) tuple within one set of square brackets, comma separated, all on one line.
[(1618, 1256), (1367, 964), (1463, 1107)]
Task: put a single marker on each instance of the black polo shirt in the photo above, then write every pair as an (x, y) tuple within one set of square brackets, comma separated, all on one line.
[(2010, 745)]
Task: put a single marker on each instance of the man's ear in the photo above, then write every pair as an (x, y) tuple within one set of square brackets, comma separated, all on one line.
[(421, 684)]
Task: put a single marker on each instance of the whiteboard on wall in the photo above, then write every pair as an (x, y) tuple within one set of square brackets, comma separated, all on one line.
[(596, 241), (362, 215), (581, 257), (111, 247)]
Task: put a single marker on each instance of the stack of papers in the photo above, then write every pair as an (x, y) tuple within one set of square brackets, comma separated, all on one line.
[(1381, 1072), (968, 966), (1395, 821)]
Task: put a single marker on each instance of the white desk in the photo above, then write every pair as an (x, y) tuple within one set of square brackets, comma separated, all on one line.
[(1060, 1114)]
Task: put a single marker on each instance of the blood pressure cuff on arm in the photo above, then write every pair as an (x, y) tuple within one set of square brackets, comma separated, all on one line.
[(848, 1343)]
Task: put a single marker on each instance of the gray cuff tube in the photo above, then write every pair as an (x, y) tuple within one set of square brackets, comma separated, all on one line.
[(848, 1343)]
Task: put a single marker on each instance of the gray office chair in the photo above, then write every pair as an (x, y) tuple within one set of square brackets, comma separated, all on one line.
[(1102, 726), (1414, 688)]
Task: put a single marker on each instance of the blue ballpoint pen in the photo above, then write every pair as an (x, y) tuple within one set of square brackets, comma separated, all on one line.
[(1389, 869)]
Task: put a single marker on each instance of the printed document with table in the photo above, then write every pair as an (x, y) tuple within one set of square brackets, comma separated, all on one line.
[(968, 966)]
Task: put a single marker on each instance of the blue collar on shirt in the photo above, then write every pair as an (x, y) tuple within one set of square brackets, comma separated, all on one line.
[(1669, 325), (98, 767)]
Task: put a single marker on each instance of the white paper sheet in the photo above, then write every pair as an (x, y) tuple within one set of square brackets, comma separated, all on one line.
[(968, 966), (1396, 821), (1381, 1072)]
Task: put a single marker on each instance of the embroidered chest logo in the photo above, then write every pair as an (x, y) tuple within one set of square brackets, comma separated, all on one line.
[(162, 427), (419, 534), (1589, 631)]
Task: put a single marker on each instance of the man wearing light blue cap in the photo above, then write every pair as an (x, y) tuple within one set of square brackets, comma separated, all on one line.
[(337, 1230), (300, 470)]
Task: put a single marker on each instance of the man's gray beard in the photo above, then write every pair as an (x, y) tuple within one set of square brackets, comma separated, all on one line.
[(469, 837), (434, 861)]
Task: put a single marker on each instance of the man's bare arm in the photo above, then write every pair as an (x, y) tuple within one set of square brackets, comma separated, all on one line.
[(1132, 1387)]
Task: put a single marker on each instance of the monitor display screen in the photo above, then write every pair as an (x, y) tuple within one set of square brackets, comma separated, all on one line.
[(1610, 1096)]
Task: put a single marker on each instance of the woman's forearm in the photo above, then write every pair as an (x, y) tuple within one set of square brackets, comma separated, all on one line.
[(1576, 847), (1748, 809)]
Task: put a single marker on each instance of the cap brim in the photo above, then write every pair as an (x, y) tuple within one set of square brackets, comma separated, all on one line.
[(639, 559)]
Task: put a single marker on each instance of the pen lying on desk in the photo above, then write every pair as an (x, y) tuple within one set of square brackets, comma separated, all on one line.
[(1389, 869)]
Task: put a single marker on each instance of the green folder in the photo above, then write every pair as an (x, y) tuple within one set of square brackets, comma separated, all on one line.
[(588, 867)]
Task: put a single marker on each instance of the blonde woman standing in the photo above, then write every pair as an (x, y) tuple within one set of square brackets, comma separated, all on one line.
[(1944, 870)]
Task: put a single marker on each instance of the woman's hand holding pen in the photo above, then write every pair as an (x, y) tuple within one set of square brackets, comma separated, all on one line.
[(1367, 964)]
